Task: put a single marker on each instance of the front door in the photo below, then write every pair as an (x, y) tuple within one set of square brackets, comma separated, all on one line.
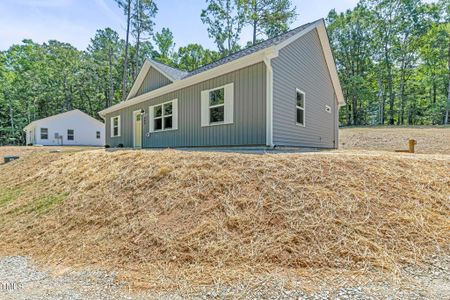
[(137, 129)]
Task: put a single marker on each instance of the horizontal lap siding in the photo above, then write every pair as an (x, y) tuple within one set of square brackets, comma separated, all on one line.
[(153, 81), (248, 128), (302, 65)]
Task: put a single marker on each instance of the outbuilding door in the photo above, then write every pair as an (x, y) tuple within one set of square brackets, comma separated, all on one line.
[(137, 128)]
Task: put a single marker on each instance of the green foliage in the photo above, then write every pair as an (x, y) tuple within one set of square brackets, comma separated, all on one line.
[(268, 17), (193, 56), (165, 44), (392, 58), (225, 20)]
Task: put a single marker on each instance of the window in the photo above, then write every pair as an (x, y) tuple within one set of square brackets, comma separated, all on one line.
[(217, 105), (164, 116), (115, 126), (44, 133), (98, 134), (70, 135), (300, 107)]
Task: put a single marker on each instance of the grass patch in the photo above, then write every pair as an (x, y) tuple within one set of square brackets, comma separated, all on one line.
[(9, 195), (40, 206)]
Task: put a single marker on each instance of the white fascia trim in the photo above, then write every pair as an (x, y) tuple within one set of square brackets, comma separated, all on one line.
[(141, 77), (323, 35), (212, 73), (269, 96), (325, 43)]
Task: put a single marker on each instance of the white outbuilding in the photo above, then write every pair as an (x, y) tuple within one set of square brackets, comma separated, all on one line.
[(72, 128)]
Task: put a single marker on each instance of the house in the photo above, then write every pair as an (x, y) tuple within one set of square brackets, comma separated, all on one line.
[(72, 128), (281, 92)]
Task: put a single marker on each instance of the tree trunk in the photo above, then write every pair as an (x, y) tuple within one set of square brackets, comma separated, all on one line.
[(11, 119), (355, 108), (138, 39), (447, 111), (400, 120), (111, 82), (381, 101), (136, 69), (255, 21), (125, 64)]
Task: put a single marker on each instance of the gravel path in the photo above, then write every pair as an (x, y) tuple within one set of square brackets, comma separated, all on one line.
[(20, 279)]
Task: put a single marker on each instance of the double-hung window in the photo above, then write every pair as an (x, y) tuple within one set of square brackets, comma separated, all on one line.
[(115, 126), (164, 116), (44, 133), (217, 105), (300, 107), (70, 135)]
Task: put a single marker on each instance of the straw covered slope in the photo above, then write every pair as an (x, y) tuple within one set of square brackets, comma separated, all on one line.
[(204, 217)]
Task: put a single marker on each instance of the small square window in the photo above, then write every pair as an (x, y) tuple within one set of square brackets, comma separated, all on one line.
[(98, 134), (217, 97), (44, 133), (217, 114), (168, 122), (70, 135), (158, 124), (300, 99), (158, 111)]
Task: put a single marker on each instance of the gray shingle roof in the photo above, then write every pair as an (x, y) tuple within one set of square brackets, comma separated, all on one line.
[(178, 74), (263, 45), (173, 72)]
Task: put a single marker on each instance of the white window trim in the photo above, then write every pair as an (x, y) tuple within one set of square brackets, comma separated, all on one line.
[(174, 116), (301, 108), (228, 106), (112, 126)]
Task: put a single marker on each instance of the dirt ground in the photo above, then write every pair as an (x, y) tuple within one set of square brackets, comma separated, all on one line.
[(431, 140)]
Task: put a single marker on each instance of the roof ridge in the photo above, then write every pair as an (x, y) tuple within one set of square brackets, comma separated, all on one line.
[(166, 65), (249, 49)]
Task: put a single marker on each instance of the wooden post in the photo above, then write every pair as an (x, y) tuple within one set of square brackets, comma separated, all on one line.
[(412, 144)]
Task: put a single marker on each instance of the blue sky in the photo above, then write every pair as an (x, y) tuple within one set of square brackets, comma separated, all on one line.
[(75, 21)]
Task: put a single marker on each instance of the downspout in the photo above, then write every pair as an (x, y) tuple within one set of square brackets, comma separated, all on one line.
[(272, 53)]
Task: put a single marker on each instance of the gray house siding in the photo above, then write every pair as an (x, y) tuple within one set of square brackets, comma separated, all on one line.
[(301, 65), (153, 81), (248, 128)]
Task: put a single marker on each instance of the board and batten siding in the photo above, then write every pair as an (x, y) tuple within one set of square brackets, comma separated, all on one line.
[(153, 80), (301, 65), (248, 127)]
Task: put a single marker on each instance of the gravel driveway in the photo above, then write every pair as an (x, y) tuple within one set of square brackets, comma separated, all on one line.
[(20, 279)]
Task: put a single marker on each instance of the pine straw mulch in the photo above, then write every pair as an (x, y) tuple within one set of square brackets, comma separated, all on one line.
[(431, 140), (166, 217)]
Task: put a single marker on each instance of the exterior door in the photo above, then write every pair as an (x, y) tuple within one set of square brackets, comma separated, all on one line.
[(137, 129)]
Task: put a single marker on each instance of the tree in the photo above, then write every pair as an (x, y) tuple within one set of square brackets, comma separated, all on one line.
[(104, 49), (225, 20), (143, 13), (268, 17), (193, 56), (165, 45), (126, 6)]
